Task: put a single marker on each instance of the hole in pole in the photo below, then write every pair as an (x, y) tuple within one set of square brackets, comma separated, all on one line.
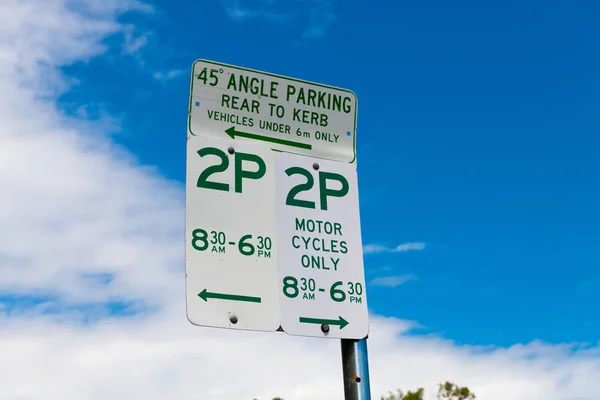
[(357, 379)]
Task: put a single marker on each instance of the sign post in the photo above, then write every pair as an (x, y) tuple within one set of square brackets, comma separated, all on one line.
[(273, 236), (355, 368)]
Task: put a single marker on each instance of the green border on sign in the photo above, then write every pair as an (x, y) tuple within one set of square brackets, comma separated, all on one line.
[(274, 76)]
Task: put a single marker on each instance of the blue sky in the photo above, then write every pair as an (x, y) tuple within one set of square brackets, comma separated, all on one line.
[(477, 136)]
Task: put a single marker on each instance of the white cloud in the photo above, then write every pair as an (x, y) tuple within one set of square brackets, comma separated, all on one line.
[(139, 6), (83, 220), (165, 357), (378, 248), (240, 14), (321, 17), (315, 17), (392, 281), (72, 202), (134, 42), (165, 76), (241, 10)]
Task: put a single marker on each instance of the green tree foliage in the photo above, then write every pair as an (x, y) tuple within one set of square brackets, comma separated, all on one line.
[(418, 395), (450, 391), (446, 391)]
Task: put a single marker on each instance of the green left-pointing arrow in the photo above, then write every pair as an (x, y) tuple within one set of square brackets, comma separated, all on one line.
[(205, 295), (232, 132), (340, 321)]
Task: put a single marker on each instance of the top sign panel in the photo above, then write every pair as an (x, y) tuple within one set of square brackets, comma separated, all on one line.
[(286, 114)]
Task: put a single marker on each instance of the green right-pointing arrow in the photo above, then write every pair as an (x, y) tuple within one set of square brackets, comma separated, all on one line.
[(340, 321)]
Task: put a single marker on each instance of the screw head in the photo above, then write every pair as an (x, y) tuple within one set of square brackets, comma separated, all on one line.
[(325, 328), (233, 319), (231, 150), (316, 165)]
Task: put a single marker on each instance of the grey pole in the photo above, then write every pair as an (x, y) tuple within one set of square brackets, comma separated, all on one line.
[(355, 366)]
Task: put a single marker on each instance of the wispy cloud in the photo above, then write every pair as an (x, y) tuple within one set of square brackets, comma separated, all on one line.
[(140, 6), (590, 283), (392, 281), (270, 10), (165, 76), (240, 14), (106, 8), (378, 248), (321, 17), (134, 42), (313, 17)]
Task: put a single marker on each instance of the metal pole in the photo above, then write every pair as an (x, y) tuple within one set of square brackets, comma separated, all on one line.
[(355, 365)]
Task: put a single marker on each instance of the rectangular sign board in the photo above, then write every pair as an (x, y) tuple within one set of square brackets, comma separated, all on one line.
[(288, 114), (231, 260), (320, 248), (273, 236)]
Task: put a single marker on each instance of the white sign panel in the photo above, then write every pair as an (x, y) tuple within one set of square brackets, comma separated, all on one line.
[(273, 234), (320, 257), (286, 114), (231, 250)]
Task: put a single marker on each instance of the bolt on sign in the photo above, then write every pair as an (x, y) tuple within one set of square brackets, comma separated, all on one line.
[(273, 237)]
